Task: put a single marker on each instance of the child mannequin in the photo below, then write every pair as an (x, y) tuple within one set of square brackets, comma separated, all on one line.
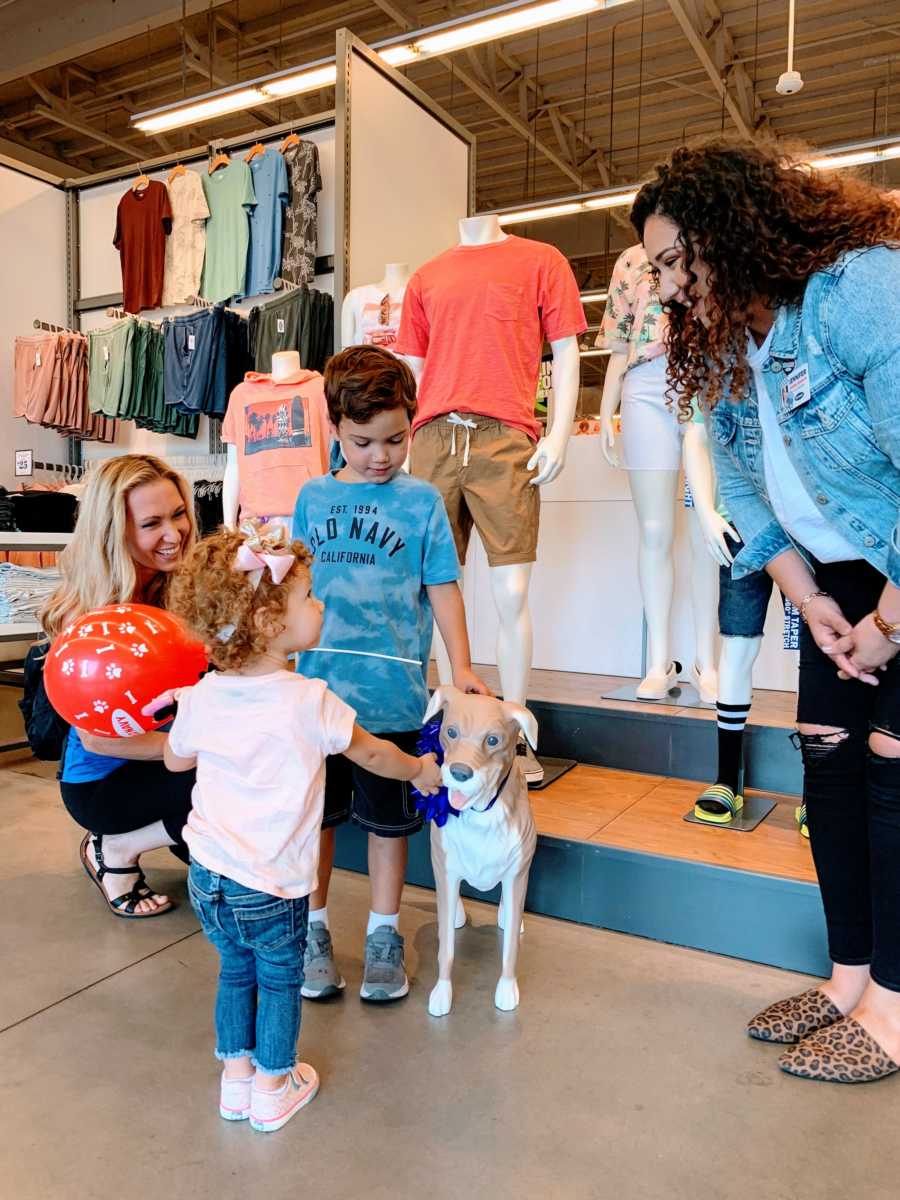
[(259, 734)]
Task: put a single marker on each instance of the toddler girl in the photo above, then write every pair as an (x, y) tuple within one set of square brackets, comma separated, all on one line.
[(259, 735)]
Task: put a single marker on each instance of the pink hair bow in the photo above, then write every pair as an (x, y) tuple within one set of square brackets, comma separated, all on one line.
[(264, 549)]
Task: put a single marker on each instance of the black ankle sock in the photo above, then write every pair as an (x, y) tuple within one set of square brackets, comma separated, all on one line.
[(731, 719)]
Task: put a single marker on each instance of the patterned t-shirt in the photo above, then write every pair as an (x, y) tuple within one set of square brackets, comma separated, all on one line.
[(633, 323), (186, 244), (377, 547), (298, 259)]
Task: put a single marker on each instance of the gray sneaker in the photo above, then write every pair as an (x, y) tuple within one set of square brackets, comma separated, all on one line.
[(322, 977), (384, 977)]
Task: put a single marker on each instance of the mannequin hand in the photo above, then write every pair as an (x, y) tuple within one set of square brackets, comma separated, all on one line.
[(836, 637), (467, 681), (549, 458), (608, 442), (867, 648), (716, 531), (428, 780)]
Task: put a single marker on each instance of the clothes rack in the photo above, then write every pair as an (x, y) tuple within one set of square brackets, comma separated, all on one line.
[(49, 327)]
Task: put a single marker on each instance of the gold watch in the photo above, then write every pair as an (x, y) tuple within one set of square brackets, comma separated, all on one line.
[(891, 632)]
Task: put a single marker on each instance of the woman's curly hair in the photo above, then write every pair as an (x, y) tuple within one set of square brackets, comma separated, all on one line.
[(210, 595), (763, 223)]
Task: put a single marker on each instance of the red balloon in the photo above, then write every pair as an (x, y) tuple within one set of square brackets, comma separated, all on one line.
[(103, 669)]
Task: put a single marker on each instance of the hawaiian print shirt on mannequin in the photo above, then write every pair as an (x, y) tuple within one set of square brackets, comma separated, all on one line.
[(633, 322), (300, 239)]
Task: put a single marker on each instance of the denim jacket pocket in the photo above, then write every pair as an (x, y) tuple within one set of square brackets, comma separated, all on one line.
[(264, 926), (722, 424)]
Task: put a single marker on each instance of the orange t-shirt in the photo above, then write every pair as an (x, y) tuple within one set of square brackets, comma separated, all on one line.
[(479, 315), (280, 431)]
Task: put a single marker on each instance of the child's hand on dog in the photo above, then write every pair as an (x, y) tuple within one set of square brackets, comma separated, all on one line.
[(428, 781)]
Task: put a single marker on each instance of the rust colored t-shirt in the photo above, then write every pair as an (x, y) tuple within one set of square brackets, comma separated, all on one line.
[(280, 432), (143, 220), (478, 315)]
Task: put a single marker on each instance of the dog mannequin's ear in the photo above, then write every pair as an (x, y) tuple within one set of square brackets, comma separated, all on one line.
[(439, 700), (525, 719)]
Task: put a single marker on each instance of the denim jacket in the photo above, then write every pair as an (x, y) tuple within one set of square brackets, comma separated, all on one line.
[(833, 375)]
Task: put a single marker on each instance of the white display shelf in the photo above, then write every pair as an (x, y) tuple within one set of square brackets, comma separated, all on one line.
[(19, 631), (34, 541)]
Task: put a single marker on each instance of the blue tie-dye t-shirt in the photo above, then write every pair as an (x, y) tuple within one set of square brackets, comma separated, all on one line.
[(377, 546)]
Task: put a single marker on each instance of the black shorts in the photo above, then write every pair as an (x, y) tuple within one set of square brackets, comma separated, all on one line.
[(386, 807)]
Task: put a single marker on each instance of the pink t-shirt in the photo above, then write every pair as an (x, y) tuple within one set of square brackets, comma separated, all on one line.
[(261, 743), (280, 432), (479, 315)]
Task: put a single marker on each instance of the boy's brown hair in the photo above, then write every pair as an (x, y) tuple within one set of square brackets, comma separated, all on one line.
[(362, 381)]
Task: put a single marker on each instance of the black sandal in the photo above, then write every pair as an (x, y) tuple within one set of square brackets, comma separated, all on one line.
[(123, 906)]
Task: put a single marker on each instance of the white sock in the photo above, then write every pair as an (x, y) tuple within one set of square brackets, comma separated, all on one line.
[(377, 919), (319, 914)]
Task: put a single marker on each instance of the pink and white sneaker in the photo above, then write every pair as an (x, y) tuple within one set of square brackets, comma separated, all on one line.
[(270, 1110), (234, 1098)]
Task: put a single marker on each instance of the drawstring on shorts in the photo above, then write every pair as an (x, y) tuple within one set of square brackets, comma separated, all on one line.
[(457, 422)]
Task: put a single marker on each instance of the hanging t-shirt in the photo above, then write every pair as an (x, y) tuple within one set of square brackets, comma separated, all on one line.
[(186, 244), (270, 185), (301, 234), (280, 432), (478, 315), (377, 547), (143, 219), (376, 315), (230, 196)]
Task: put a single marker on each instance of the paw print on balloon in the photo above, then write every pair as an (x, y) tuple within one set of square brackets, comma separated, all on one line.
[(113, 672), (139, 649), (127, 627), (100, 706), (68, 667), (85, 631)]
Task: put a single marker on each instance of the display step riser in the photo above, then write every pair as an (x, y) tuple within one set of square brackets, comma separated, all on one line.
[(745, 915), (660, 744)]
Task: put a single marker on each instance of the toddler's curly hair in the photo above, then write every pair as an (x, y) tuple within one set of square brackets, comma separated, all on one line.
[(209, 595)]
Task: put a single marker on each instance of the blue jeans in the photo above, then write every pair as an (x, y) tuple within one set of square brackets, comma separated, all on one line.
[(261, 940)]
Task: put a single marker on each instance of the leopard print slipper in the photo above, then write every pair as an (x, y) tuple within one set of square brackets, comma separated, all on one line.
[(844, 1053), (791, 1020)]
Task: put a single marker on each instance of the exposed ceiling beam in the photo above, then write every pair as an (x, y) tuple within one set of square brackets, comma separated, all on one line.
[(70, 117), (698, 44)]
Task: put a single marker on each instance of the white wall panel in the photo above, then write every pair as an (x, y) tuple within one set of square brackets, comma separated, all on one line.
[(408, 178), (33, 253)]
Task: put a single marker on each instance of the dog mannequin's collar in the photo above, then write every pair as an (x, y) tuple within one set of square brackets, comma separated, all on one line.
[(438, 808), (488, 807)]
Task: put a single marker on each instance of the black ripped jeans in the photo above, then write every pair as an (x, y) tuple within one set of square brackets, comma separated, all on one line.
[(852, 795)]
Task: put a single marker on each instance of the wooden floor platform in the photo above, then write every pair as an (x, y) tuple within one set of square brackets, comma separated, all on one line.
[(644, 813)]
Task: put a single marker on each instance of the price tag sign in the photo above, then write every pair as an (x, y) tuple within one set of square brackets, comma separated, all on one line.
[(24, 462), (791, 626)]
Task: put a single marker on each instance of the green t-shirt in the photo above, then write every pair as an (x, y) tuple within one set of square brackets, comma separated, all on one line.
[(230, 196)]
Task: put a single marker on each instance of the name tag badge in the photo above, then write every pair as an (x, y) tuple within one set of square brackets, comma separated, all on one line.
[(795, 389)]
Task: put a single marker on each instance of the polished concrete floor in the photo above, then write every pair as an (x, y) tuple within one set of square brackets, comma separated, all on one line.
[(624, 1075)]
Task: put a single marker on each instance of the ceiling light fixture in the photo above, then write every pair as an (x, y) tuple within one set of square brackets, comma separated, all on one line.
[(593, 297), (200, 110), (566, 208), (594, 353), (855, 158), (502, 21)]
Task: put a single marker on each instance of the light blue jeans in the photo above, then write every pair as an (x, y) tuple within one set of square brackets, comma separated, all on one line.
[(261, 941)]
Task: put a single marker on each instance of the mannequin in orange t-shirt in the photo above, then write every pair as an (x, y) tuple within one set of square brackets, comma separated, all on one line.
[(276, 430), (473, 326)]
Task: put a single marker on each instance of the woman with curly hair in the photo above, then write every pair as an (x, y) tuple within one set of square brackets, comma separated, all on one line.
[(782, 285), (135, 522)]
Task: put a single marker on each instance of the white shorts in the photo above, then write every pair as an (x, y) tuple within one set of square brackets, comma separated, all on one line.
[(651, 432)]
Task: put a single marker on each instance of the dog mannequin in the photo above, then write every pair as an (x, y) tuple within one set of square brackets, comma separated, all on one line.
[(493, 839)]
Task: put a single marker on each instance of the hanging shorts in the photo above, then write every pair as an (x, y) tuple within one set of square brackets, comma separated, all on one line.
[(279, 325), (195, 362), (480, 467)]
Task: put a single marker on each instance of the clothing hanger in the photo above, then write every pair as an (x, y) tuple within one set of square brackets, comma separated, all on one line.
[(177, 170), (219, 160), (292, 139), (142, 182), (259, 148)]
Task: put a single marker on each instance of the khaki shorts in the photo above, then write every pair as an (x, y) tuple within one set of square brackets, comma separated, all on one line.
[(482, 475)]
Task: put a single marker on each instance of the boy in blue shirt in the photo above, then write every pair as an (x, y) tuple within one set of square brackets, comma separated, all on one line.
[(386, 568)]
